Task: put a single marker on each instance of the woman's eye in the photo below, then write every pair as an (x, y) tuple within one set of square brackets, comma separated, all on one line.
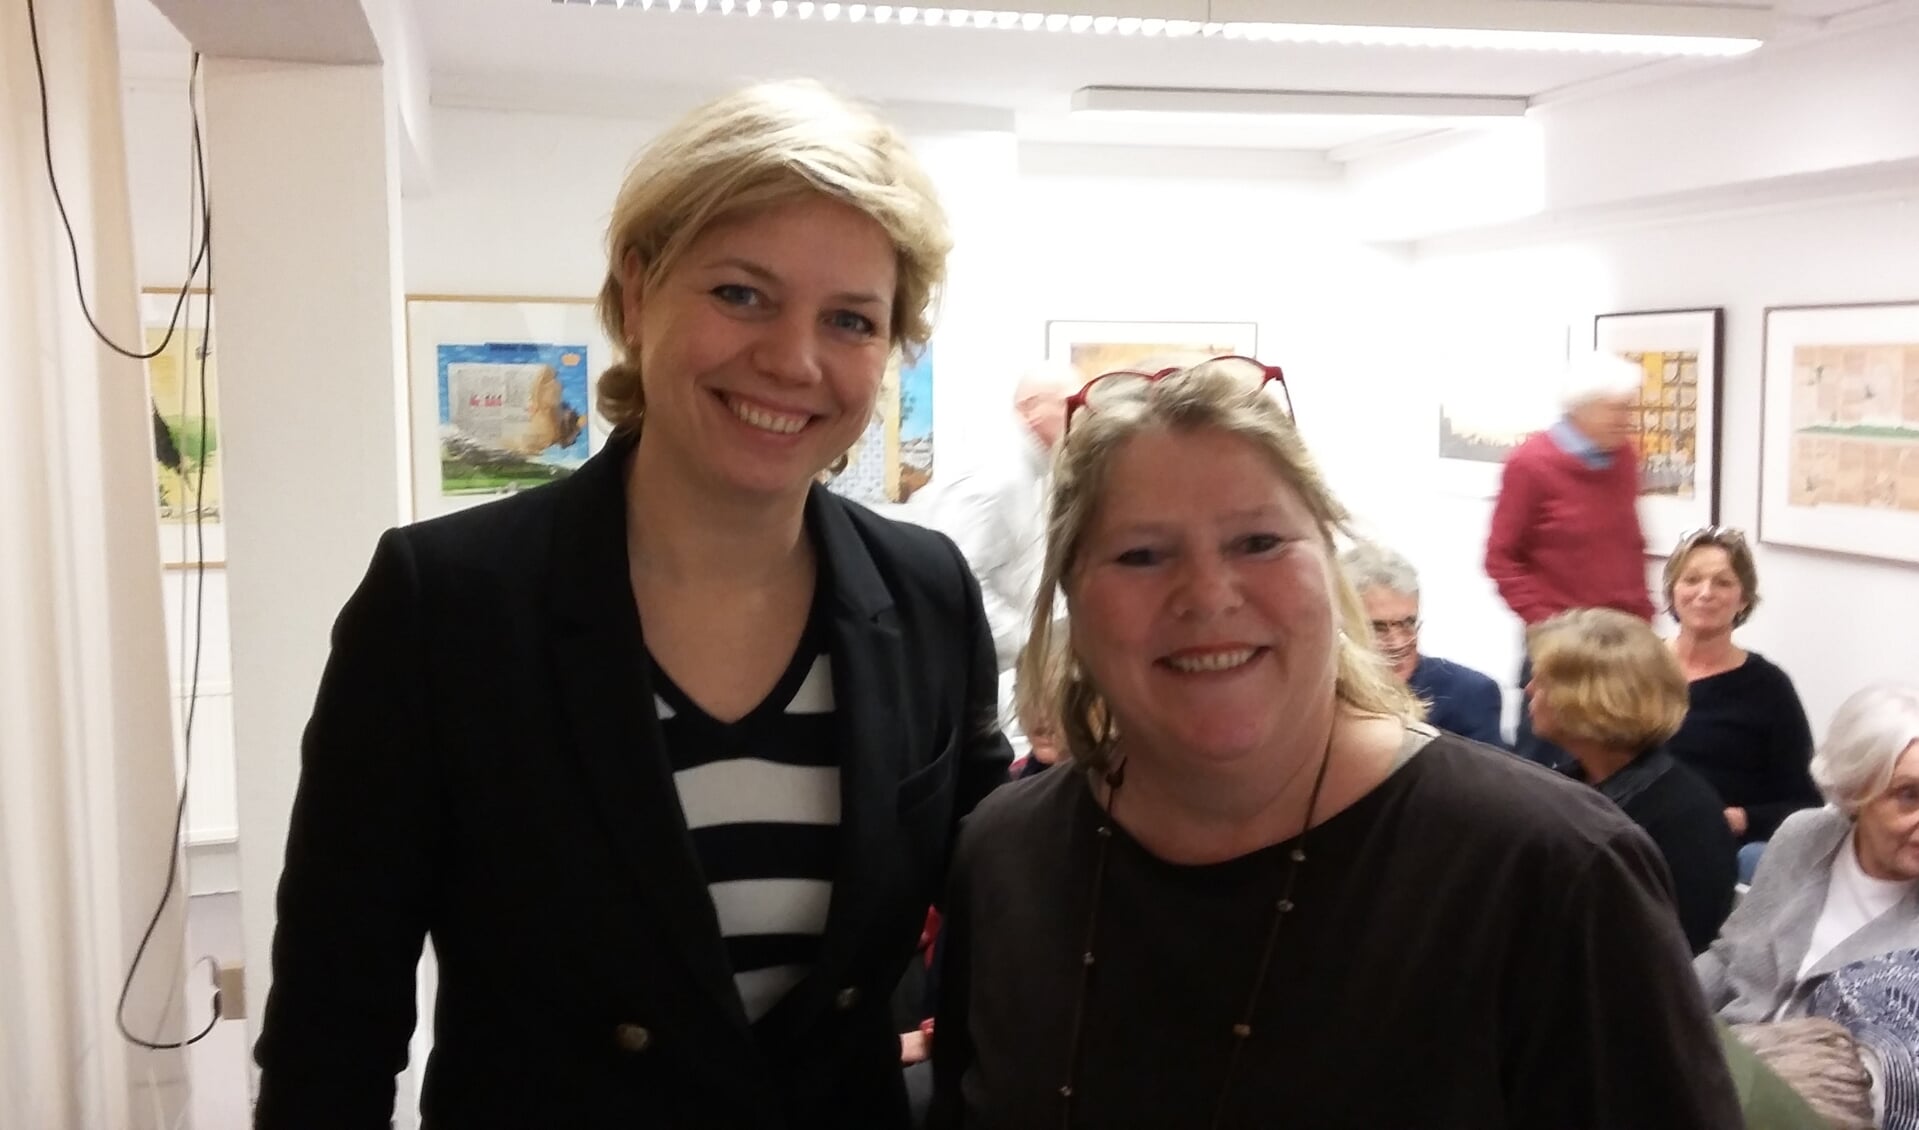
[(1260, 543), (1138, 558), (853, 322), (736, 294)]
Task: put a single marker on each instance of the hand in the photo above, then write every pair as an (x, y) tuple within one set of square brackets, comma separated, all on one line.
[(1736, 820), (914, 1048)]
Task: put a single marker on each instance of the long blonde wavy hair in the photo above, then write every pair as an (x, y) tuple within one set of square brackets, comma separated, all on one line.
[(1208, 396)]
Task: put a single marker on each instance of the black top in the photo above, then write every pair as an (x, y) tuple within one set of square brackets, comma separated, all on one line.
[(761, 796), (1687, 823), (1746, 734), (485, 765), (1477, 944)]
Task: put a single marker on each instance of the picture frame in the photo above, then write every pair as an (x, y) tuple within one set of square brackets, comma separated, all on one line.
[(189, 480), (500, 394), (1681, 353), (1095, 347), (1491, 398), (1839, 429), (894, 456)]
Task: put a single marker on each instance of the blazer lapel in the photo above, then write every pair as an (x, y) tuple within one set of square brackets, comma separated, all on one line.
[(867, 657), (599, 660)]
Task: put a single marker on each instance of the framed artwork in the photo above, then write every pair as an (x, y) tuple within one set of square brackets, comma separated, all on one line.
[(183, 387), (1678, 353), (894, 457), (1839, 438), (1492, 396), (501, 395), (1093, 348)]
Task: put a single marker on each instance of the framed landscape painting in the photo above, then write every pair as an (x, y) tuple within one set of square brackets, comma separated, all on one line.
[(1678, 353), (1093, 348), (1839, 442), (501, 394)]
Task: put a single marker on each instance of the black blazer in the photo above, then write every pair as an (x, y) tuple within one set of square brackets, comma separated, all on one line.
[(484, 766)]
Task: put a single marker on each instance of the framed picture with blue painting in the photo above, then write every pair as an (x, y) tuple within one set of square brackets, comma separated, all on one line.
[(894, 457), (501, 393)]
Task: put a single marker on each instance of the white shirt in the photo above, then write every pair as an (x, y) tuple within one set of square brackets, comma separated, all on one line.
[(1853, 898), (996, 514)]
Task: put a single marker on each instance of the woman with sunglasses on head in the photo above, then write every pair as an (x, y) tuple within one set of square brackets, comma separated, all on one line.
[(666, 758), (1270, 884), (1745, 731)]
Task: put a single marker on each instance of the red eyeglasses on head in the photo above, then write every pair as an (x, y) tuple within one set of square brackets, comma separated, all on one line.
[(1111, 388)]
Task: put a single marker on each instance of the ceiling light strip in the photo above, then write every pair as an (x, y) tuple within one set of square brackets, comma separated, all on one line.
[(1351, 35)]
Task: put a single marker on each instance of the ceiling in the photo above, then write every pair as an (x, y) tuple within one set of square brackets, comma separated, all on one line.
[(538, 55)]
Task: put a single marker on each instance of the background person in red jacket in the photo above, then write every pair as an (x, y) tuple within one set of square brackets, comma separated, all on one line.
[(1565, 531)]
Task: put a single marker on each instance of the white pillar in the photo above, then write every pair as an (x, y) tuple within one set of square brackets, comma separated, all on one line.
[(304, 179)]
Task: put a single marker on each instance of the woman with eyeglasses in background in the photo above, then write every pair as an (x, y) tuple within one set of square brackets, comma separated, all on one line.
[(1271, 885), (1745, 731)]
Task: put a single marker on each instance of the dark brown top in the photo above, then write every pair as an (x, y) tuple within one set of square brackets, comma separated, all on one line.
[(1478, 944)]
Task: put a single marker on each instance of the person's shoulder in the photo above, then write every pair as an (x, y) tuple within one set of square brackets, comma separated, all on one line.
[(1015, 815), (901, 547), (1805, 827), (1535, 448), (1760, 669), (1687, 795), (499, 533), (1472, 792), (1464, 679)]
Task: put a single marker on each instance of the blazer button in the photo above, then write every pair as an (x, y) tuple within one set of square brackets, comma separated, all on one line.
[(847, 999), (632, 1038)]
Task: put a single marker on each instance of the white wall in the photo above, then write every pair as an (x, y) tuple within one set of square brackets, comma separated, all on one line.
[(1834, 622)]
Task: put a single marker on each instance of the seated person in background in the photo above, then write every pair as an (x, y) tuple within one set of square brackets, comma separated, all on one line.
[(1838, 884), (1258, 890), (1745, 731), (1606, 690), (1457, 697)]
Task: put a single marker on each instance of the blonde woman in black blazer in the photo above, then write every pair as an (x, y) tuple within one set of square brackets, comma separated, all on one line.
[(665, 758)]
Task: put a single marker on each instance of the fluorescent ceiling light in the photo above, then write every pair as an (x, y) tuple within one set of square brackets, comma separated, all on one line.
[(1651, 29), (1160, 100)]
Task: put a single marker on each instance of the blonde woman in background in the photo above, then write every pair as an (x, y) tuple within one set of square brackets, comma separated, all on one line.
[(1606, 690), (665, 758), (1272, 895)]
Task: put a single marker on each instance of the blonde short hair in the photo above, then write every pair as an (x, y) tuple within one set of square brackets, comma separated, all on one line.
[(1607, 679), (1207, 396), (750, 150)]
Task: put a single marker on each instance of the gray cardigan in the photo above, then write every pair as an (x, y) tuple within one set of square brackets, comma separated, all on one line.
[(1752, 968)]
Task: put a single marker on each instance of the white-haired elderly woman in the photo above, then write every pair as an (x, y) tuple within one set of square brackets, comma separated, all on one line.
[(1458, 698), (1565, 531), (1838, 884), (1269, 886)]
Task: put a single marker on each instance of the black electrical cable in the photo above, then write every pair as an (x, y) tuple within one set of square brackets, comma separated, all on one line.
[(204, 256), (73, 244)]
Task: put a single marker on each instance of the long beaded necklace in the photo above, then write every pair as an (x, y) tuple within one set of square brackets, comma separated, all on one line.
[(1241, 1031)]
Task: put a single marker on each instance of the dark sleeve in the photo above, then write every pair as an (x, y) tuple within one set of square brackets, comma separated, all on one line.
[(1479, 709), (1703, 859), (987, 756), (1788, 756), (354, 893), (1606, 1026), (952, 1039)]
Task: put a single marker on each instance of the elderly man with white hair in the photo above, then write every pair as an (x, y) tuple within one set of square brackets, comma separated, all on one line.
[(1565, 531), (995, 510), (1458, 698)]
